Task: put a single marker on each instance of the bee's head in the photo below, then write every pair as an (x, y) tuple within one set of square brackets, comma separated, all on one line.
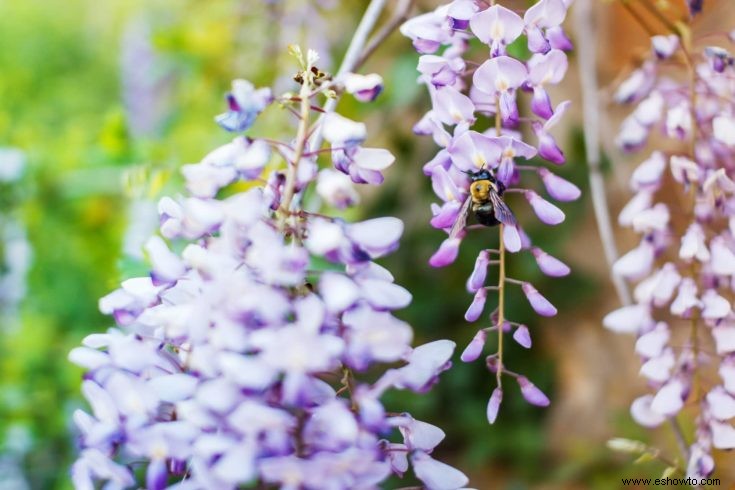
[(482, 174)]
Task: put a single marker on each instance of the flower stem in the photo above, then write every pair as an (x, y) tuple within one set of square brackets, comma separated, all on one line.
[(584, 23), (301, 137), (501, 269), (501, 307), (692, 72), (352, 58), (661, 18), (638, 18), (400, 15)]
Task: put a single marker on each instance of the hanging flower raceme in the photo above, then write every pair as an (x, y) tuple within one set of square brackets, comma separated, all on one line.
[(239, 360), (475, 169), (684, 210)]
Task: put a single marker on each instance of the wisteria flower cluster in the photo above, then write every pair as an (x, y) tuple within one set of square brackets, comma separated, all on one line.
[(464, 92), (684, 210), (240, 361)]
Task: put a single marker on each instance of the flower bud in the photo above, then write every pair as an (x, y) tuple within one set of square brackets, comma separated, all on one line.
[(546, 212), (474, 348), (549, 265), (477, 305), (540, 305), (493, 404), (531, 393), (522, 336)]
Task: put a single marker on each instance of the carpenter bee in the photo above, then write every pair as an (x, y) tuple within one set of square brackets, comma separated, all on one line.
[(485, 201)]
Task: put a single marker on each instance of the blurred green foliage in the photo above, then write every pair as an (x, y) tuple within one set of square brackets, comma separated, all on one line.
[(61, 102)]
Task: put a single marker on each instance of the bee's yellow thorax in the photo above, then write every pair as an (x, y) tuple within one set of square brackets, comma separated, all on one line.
[(480, 190)]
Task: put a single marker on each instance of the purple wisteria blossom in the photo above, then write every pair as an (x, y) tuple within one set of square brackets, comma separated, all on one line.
[(240, 360), (684, 210), (465, 91)]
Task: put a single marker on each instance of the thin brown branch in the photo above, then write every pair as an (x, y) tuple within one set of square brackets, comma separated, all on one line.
[(587, 63), (399, 17)]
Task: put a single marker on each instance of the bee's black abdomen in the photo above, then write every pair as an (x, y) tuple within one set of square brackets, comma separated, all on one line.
[(485, 214)]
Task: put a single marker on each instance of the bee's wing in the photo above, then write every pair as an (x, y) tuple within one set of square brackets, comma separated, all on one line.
[(501, 210), (461, 221)]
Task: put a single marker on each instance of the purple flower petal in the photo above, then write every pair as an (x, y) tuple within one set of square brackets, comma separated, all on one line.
[(446, 254), (537, 42), (173, 387), (558, 188), (665, 46), (245, 104), (166, 265), (479, 273), (493, 404), (658, 369), (377, 236), (460, 12), (364, 88), (701, 464), (522, 336), (549, 265), (714, 306), (546, 14), (531, 393), (477, 305), (472, 151), (546, 212), (435, 474), (724, 336), (156, 475), (723, 257), (558, 38), (384, 295), (508, 108), (652, 343), (547, 147), (541, 103), (628, 319), (444, 186), (425, 363), (511, 239), (649, 173), (453, 107), (338, 291), (340, 131), (636, 263), (669, 399), (642, 413), (721, 403), (376, 159), (500, 75), (446, 215), (540, 305), (420, 435), (474, 348), (723, 435), (547, 68), (497, 26)]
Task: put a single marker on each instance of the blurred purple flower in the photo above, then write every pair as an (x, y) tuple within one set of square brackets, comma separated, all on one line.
[(245, 103)]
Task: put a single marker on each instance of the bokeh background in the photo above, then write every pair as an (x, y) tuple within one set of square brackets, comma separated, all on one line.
[(102, 102)]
